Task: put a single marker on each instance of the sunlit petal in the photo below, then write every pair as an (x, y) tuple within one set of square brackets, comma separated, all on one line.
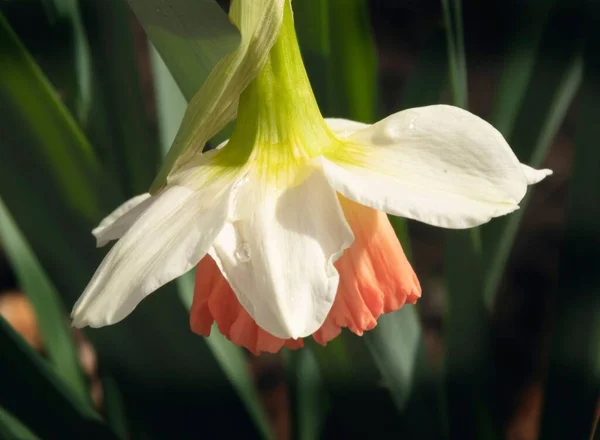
[(440, 165), (166, 240), (278, 254)]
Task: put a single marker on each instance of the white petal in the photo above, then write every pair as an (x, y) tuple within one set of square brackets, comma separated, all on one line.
[(344, 127), (278, 254), (118, 222), (440, 165), (167, 240), (534, 176)]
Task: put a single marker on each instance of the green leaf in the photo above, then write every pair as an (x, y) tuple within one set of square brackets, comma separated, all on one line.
[(69, 10), (55, 411), (47, 166), (553, 85), (171, 105), (192, 36), (452, 12), (170, 102), (307, 395), (519, 62), (573, 376), (53, 138), (132, 152), (114, 408), (499, 236), (396, 356), (232, 361), (51, 317), (311, 18), (426, 84), (12, 428), (467, 351), (353, 61)]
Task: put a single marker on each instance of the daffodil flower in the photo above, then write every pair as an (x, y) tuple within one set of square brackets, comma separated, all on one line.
[(286, 222)]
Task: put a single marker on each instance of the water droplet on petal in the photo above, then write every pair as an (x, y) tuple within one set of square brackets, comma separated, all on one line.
[(412, 125), (242, 253)]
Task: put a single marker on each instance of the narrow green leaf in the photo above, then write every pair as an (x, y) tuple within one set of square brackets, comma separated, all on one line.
[(312, 18), (573, 377), (114, 408), (170, 102), (553, 84), (69, 9), (12, 428), (452, 12), (32, 392), (396, 356), (232, 361), (54, 137), (47, 166), (134, 154), (307, 394), (519, 62), (51, 317), (499, 236), (353, 61), (467, 354), (427, 82), (191, 36)]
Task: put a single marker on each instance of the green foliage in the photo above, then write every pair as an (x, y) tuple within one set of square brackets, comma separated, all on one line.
[(191, 36), (56, 410), (573, 378), (52, 319)]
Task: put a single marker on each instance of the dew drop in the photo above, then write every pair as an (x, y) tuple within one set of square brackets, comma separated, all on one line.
[(242, 253), (412, 125)]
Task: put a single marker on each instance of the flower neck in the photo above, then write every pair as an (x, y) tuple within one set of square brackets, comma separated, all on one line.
[(278, 110)]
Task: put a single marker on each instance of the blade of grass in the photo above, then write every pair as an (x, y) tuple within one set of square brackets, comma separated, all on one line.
[(427, 82), (498, 237), (312, 26), (573, 378), (69, 10), (452, 13), (520, 61), (114, 408), (353, 61), (46, 167), (306, 394), (134, 153), (51, 317), (34, 393), (232, 361), (192, 36), (554, 82), (12, 428)]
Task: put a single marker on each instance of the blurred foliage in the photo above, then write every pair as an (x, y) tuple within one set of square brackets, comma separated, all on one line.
[(88, 110)]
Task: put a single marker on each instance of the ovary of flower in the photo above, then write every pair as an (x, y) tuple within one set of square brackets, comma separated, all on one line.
[(286, 221)]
